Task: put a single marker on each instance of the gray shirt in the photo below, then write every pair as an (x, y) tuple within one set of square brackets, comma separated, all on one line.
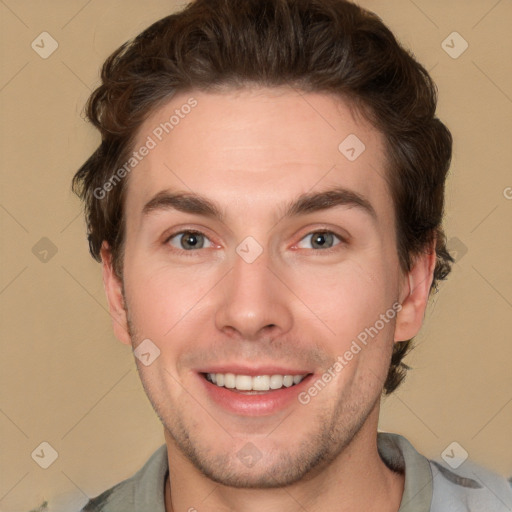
[(429, 485)]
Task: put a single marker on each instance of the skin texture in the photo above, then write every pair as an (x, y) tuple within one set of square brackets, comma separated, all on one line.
[(252, 152)]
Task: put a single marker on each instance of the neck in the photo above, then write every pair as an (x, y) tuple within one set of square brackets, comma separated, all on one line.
[(357, 479)]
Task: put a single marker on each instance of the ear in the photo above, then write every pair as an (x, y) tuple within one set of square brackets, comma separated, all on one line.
[(414, 294), (113, 289)]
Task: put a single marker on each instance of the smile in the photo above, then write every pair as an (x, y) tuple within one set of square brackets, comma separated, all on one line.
[(253, 383)]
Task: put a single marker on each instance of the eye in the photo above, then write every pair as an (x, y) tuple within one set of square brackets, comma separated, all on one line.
[(189, 240), (319, 240)]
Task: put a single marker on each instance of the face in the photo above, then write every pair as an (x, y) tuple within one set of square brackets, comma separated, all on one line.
[(260, 254)]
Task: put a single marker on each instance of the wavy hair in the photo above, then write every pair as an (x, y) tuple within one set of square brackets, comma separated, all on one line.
[(330, 46)]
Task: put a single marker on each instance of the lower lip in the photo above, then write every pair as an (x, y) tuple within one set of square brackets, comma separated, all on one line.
[(260, 404)]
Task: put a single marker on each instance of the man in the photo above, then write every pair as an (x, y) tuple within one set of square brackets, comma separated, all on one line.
[(267, 204)]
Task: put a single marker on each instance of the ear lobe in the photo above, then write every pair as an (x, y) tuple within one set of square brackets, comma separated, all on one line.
[(414, 293), (114, 292)]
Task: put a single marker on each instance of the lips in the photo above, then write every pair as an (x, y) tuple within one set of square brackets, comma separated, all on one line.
[(236, 389)]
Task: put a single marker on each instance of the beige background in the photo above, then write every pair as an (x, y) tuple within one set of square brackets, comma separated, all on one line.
[(67, 381)]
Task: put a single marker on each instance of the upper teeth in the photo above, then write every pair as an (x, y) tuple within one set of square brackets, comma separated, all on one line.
[(258, 383)]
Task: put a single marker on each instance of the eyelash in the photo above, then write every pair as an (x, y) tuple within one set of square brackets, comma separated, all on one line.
[(342, 240)]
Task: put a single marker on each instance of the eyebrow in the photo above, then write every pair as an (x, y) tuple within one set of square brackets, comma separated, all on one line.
[(192, 203)]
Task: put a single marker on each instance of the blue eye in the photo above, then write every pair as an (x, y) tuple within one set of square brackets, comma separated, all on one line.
[(189, 240), (193, 240), (319, 240)]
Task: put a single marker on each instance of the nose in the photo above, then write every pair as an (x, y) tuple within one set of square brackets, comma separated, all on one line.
[(254, 301)]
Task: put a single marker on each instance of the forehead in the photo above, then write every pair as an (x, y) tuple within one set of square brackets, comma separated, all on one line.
[(241, 145)]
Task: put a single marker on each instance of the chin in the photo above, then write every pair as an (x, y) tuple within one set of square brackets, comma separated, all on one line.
[(254, 466)]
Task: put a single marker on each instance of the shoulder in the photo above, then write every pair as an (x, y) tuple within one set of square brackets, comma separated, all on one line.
[(146, 487), (435, 486), (469, 488)]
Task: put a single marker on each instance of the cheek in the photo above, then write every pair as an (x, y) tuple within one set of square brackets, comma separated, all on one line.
[(350, 301), (348, 297), (160, 297)]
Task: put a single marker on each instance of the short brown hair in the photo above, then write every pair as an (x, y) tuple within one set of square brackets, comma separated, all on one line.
[(330, 46)]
